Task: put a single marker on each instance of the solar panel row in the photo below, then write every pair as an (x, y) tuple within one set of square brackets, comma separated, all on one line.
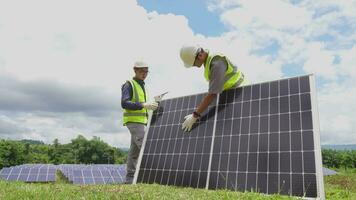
[(263, 137), (77, 174), (102, 176), (94, 174), (30, 173)]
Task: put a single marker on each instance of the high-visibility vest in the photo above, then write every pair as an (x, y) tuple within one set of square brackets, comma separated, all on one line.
[(233, 76), (138, 95)]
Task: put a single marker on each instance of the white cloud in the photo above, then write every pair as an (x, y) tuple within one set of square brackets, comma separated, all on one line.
[(94, 44), (319, 61), (348, 62), (336, 106), (275, 14), (86, 42)]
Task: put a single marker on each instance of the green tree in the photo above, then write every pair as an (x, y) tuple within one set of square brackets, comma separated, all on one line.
[(79, 150), (346, 159)]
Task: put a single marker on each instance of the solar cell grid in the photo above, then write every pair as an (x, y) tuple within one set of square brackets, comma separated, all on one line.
[(83, 174), (94, 174), (262, 137), (166, 138), (30, 173)]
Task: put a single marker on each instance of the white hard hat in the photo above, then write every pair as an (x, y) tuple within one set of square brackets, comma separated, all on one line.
[(188, 54), (140, 64)]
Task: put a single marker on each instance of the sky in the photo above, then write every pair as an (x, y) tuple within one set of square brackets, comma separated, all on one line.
[(62, 63)]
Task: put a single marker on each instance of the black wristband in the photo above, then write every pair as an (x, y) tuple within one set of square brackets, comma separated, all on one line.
[(196, 115)]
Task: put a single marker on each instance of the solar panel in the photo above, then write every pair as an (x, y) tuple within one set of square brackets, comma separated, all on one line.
[(172, 157), (94, 174), (4, 173), (30, 173), (328, 172), (76, 173), (262, 137)]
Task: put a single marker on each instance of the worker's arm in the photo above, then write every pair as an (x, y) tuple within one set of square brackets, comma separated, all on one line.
[(205, 103), (126, 96), (216, 86), (126, 102), (216, 83)]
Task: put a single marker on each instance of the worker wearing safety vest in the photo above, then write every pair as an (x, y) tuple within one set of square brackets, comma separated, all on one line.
[(133, 101), (219, 72)]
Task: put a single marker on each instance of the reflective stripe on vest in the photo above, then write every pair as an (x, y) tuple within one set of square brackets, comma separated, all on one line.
[(134, 114), (138, 95), (233, 76)]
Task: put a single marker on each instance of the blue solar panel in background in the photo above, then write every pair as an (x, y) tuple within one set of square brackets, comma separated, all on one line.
[(75, 173), (94, 174), (30, 173), (328, 172)]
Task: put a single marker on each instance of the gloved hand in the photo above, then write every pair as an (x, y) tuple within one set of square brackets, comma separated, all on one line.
[(150, 105), (188, 123)]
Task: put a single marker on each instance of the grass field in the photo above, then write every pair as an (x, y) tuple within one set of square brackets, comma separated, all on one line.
[(341, 186)]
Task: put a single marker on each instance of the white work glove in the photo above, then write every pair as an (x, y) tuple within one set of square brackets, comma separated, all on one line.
[(188, 123), (150, 105)]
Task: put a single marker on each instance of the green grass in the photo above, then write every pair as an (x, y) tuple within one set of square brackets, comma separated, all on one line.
[(18, 190), (341, 186)]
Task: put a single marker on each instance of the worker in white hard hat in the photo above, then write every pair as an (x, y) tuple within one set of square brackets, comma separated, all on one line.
[(219, 71), (135, 105)]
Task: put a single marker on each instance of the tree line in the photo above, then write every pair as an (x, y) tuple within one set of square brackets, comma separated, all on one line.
[(339, 158), (79, 151), (95, 151)]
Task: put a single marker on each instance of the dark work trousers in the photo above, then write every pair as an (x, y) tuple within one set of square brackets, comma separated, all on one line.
[(137, 132)]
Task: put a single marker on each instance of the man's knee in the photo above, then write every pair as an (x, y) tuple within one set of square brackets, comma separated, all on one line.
[(139, 136)]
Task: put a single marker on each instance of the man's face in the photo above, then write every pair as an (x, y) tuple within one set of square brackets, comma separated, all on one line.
[(141, 73), (198, 62)]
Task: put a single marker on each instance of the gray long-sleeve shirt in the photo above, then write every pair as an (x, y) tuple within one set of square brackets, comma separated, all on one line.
[(126, 96), (218, 67)]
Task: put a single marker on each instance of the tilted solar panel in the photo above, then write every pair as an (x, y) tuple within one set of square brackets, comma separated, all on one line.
[(263, 137), (171, 156)]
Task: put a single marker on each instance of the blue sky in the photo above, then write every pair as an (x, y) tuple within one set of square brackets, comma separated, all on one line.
[(60, 74), (201, 20)]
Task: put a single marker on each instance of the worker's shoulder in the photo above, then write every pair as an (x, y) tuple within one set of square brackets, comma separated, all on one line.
[(218, 62), (218, 57), (127, 83)]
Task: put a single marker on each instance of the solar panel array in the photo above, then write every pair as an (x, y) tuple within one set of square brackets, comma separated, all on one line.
[(94, 174), (75, 173), (30, 173), (328, 172), (262, 137)]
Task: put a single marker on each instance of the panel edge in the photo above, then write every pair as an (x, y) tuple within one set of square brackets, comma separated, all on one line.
[(138, 164), (212, 142), (316, 137)]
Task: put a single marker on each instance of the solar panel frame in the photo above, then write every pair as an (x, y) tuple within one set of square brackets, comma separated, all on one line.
[(295, 86), (31, 173), (317, 145), (187, 150), (94, 174), (271, 130), (100, 173)]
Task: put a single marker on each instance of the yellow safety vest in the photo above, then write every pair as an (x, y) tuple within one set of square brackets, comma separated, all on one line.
[(233, 76), (138, 95)]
